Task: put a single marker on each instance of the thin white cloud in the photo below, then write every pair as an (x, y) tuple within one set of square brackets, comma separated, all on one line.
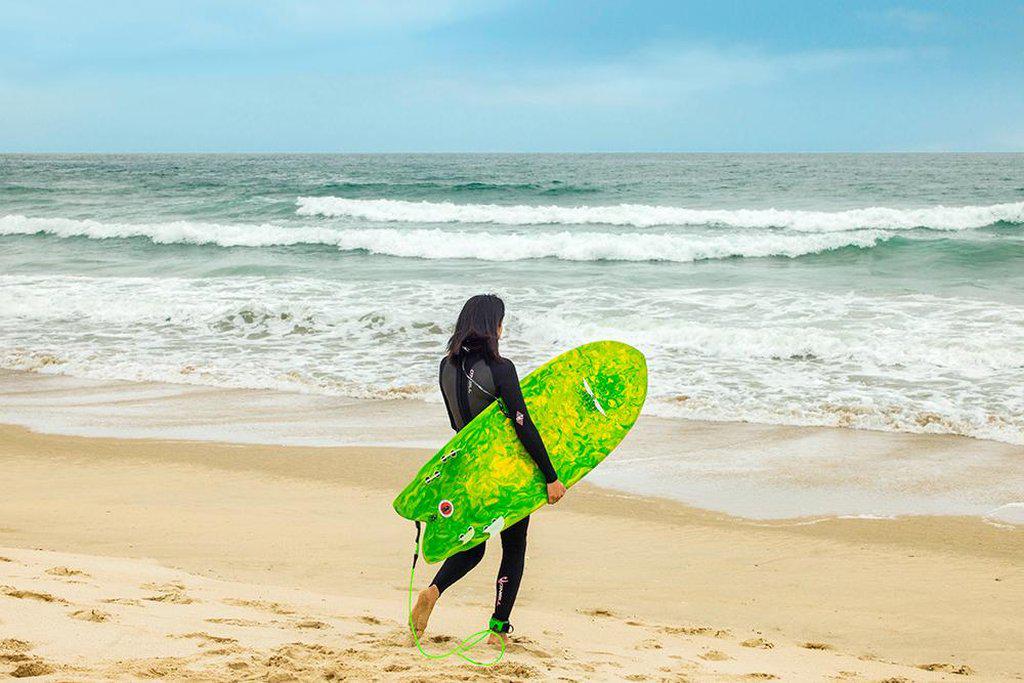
[(318, 16), (661, 74), (910, 19), (199, 24)]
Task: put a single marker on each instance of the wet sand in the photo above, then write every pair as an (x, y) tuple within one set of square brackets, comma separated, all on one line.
[(743, 469)]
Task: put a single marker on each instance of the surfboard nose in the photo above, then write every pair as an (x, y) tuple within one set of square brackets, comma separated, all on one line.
[(618, 386)]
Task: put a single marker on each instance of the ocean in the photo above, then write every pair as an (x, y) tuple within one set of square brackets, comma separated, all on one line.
[(868, 291)]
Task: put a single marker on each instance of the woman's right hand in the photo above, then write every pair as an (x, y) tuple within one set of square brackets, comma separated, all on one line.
[(556, 490)]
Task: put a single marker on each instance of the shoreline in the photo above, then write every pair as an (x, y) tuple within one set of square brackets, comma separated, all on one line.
[(15, 376), (749, 470), (681, 582)]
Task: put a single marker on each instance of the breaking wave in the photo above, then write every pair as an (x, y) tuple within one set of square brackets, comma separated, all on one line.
[(645, 216), (442, 244)]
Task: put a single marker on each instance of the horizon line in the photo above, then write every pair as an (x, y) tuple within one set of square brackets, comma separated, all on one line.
[(491, 152)]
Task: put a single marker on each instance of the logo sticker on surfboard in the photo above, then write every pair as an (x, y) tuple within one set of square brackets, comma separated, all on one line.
[(446, 508)]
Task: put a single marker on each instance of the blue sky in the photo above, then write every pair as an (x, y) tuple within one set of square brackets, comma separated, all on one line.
[(504, 75)]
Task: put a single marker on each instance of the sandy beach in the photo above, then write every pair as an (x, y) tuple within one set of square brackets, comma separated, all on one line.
[(152, 558), (278, 277)]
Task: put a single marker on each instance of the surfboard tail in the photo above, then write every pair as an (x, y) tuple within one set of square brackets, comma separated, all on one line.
[(405, 504)]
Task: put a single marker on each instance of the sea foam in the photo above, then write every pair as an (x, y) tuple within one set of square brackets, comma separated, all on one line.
[(912, 363), (452, 244), (645, 216)]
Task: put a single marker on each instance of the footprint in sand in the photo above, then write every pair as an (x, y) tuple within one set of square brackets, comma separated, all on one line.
[(761, 676), (173, 593), (958, 669), (529, 646), (759, 643), (649, 644), (172, 598), (395, 638), (227, 621), (262, 605), (163, 587), (695, 631), (36, 667), (12, 592), (13, 650), (204, 638), (311, 623), (66, 571), (599, 612), (122, 601), (512, 670), (358, 653), (715, 656), (317, 652), (156, 667), (816, 646), (90, 615)]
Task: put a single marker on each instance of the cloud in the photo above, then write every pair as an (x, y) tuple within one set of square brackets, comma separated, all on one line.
[(318, 16), (198, 25), (909, 19), (66, 40), (662, 74)]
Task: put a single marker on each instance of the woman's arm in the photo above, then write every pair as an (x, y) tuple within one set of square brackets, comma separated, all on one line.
[(440, 381), (506, 381)]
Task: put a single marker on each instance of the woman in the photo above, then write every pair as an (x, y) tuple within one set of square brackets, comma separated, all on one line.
[(473, 375)]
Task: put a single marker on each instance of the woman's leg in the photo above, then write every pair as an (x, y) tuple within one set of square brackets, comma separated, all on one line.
[(457, 566), (510, 573), (453, 569)]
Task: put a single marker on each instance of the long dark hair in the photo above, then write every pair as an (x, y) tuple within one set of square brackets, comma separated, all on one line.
[(477, 326)]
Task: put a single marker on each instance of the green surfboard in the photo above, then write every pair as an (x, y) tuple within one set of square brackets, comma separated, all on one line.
[(583, 403)]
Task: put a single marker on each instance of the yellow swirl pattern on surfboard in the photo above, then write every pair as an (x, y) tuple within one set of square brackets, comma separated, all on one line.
[(583, 403)]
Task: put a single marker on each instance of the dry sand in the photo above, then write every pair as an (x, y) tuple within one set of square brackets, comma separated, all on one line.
[(147, 559)]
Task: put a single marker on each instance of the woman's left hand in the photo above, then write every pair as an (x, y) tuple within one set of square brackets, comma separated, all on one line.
[(556, 490)]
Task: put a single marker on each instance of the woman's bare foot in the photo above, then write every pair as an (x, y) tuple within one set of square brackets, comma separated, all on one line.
[(424, 606), (498, 639)]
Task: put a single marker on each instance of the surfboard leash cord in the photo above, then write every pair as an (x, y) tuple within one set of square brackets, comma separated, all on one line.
[(467, 643)]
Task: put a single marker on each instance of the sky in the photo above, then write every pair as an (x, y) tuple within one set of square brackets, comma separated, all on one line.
[(507, 75)]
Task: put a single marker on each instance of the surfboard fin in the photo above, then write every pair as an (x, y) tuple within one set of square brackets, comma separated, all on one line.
[(495, 527), (590, 392)]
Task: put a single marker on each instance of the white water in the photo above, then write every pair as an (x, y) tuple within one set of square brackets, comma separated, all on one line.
[(441, 244), (644, 216), (910, 363)]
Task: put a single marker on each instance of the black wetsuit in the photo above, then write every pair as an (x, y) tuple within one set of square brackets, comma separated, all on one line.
[(469, 384)]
